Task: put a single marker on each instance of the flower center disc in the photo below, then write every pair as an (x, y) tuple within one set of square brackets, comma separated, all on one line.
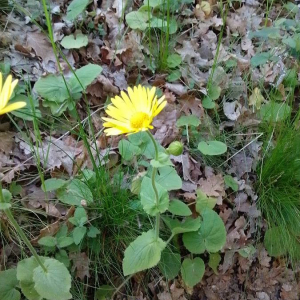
[(139, 120)]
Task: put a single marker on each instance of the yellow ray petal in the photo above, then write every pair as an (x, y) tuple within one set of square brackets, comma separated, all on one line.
[(159, 108), (117, 113), (4, 96), (127, 101), (12, 87), (12, 107), (111, 121), (113, 131)]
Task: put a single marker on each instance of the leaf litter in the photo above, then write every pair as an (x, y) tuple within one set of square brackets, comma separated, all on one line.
[(243, 274)]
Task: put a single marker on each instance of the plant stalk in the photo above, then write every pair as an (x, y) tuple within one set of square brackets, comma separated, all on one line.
[(157, 221), (21, 232)]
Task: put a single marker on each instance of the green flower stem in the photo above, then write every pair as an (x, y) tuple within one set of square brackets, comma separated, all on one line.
[(20, 231), (157, 221)]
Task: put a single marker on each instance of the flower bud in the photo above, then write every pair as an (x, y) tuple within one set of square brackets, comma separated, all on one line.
[(175, 148)]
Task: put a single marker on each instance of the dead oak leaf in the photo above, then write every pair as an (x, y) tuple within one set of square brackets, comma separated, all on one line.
[(7, 142), (213, 186), (41, 46), (80, 264)]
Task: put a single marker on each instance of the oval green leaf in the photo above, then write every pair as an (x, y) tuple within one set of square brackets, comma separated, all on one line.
[(212, 148), (143, 253), (179, 208), (192, 271)]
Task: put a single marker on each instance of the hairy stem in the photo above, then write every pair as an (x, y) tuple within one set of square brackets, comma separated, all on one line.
[(157, 221)]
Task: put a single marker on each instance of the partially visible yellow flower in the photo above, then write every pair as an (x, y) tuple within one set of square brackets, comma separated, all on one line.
[(133, 112), (5, 94)]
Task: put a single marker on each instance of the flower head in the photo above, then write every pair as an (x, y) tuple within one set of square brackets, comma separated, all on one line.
[(133, 112), (5, 94)]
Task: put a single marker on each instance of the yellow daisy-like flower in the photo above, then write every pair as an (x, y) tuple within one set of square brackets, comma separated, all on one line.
[(5, 94), (133, 112)]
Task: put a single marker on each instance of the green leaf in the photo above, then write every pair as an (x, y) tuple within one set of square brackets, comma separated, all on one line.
[(291, 7), (85, 76), (127, 150), (29, 291), (212, 231), (148, 198), (189, 224), (174, 76), (188, 121), (56, 108), (52, 88), (170, 264), (143, 253), (231, 182), (212, 148), (265, 33), (4, 206), (25, 269), (260, 59), (93, 232), (192, 271), (81, 216), (275, 112), (289, 41), (211, 236), (162, 161), (171, 28), (214, 92), (194, 242), (144, 142), (63, 257), (74, 193), (208, 103), (55, 283), (72, 42), (137, 20), (47, 241), (7, 196), (8, 284), (168, 178), (179, 208), (247, 252), (104, 292), (202, 201), (30, 111), (64, 241), (153, 3), (25, 276), (214, 261), (53, 184), (174, 60), (75, 8), (78, 234)]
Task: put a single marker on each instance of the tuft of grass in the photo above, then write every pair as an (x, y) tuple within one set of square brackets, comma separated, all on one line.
[(279, 191)]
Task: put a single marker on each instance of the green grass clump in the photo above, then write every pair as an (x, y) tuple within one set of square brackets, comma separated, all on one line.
[(279, 194)]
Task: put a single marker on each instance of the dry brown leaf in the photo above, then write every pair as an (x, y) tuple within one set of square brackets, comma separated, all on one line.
[(232, 110), (49, 230), (41, 46), (7, 142), (81, 264), (213, 186), (55, 153)]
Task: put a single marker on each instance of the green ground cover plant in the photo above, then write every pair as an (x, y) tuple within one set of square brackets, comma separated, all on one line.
[(150, 150)]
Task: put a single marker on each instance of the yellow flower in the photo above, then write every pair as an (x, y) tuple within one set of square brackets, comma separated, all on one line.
[(5, 94), (133, 112)]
